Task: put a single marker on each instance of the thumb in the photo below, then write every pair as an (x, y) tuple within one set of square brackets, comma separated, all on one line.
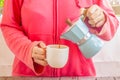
[(42, 44)]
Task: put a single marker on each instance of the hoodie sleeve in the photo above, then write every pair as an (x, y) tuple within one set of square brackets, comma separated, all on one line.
[(108, 30), (15, 36)]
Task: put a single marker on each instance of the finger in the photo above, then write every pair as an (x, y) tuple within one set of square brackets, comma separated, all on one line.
[(95, 20), (41, 62), (42, 45), (100, 23), (38, 50), (95, 14), (91, 10), (38, 56), (93, 25)]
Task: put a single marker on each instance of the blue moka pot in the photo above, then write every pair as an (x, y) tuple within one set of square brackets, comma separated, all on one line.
[(89, 44)]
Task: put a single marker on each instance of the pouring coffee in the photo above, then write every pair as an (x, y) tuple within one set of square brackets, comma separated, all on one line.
[(88, 43)]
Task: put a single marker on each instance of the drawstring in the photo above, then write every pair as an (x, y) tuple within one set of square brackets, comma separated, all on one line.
[(77, 3)]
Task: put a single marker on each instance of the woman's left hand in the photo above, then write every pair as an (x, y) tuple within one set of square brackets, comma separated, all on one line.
[(95, 15)]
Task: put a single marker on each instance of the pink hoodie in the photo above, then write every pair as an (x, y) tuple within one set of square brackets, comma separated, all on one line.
[(26, 22)]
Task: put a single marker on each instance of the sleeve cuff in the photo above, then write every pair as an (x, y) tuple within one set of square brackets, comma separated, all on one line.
[(36, 68)]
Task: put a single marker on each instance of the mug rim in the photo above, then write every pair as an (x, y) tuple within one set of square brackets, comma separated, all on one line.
[(57, 45)]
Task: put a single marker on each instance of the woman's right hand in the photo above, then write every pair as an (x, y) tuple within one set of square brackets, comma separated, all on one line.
[(95, 14), (39, 54)]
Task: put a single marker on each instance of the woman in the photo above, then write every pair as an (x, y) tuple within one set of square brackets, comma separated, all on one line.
[(29, 25)]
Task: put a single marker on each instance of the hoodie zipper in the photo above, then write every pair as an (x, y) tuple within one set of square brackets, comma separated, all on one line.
[(55, 20), (54, 29)]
